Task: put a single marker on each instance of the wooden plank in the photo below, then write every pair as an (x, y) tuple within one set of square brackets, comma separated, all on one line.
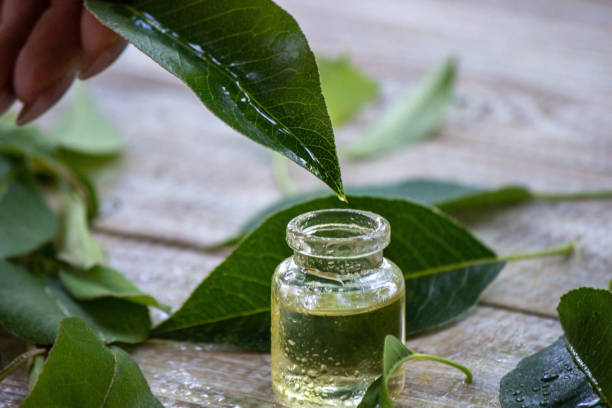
[(489, 341)]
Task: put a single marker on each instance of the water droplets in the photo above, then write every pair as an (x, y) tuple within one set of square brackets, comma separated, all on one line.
[(549, 377)]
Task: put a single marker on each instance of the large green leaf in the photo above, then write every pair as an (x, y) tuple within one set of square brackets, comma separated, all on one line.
[(446, 269), (411, 119), (26, 222), (346, 89), (75, 243), (586, 318), (449, 196), (548, 378), (82, 372), (102, 281), (32, 306), (83, 129), (395, 354), (247, 61)]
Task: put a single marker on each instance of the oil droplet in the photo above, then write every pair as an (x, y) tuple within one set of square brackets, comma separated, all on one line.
[(291, 342)]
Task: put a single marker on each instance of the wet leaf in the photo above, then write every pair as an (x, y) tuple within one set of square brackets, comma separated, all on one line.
[(82, 372), (586, 318), (346, 89), (26, 222), (84, 129), (247, 61), (548, 378), (446, 269), (395, 354), (449, 196), (102, 281), (75, 243), (411, 119), (33, 304)]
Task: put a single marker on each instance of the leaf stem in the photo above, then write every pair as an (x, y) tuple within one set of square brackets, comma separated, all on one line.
[(466, 371), (566, 250), (584, 195), (280, 172), (20, 359)]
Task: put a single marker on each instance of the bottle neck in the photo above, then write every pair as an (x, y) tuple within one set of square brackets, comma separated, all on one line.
[(339, 266)]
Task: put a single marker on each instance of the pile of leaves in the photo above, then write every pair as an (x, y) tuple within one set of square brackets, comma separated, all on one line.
[(251, 65)]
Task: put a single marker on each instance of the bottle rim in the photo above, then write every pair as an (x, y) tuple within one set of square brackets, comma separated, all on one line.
[(367, 232)]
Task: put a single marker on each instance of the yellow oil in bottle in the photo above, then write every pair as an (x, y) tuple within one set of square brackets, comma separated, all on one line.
[(328, 358)]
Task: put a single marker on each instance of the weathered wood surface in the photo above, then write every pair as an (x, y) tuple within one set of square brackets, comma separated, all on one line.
[(533, 107)]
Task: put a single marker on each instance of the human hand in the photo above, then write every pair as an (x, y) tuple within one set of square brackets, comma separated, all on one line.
[(44, 45)]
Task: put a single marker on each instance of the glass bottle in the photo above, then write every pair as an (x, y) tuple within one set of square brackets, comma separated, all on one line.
[(333, 303)]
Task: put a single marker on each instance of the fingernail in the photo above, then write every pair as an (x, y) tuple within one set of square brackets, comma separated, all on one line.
[(6, 100), (103, 60), (46, 99)]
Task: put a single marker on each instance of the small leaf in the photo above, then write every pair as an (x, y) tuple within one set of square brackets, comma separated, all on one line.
[(247, 61), (32, 306), (75, 244), (411, 119), (102, 281), (395, 354), (26, 222), (346, 89), (547, 378), (586, 318), (449, 196), (82, 372), (446, 269), (83, 129)]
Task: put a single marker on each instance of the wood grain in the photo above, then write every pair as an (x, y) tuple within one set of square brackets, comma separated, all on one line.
[(532, 106)]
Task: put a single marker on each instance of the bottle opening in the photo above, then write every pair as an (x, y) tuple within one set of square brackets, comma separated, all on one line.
[(338, 233)]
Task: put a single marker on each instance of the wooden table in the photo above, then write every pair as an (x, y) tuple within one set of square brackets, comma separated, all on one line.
[(534, 103)]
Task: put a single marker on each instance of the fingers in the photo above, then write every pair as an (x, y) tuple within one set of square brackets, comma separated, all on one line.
[(101, 45), (49, 59), (16, 20)]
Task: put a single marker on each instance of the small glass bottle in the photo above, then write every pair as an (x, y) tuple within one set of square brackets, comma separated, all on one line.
[(333, 303)]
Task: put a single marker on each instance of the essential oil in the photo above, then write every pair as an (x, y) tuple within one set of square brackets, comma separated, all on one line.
[(333, 303)]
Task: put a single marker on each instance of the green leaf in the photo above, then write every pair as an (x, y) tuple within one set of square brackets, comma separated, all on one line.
[(395, 354), (446, 269), (413, 118), (75, 244), (6, 175), (247, 61), (26, 222), (30, 143), (586, 318), (548, 378), (32, 306), (83, 129), (346, 89), (82, 372), (102, 281), (447, 195), (38, 150)]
